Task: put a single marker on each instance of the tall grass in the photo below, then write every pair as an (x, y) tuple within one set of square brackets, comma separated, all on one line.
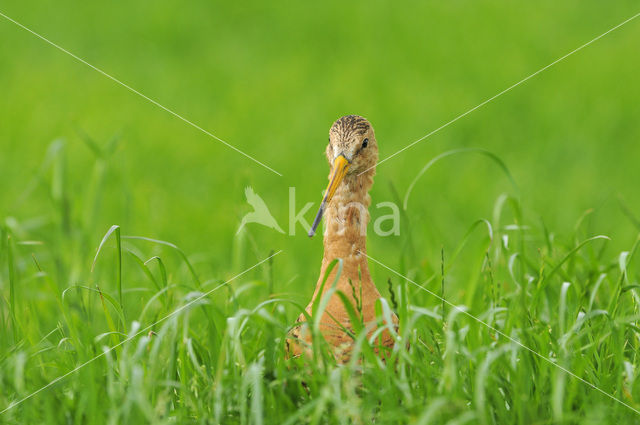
[(222, 359)]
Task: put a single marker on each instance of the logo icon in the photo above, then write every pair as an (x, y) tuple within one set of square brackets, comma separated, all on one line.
[(260, 213)]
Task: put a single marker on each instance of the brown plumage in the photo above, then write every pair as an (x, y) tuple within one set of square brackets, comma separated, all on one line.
[(352, 150)]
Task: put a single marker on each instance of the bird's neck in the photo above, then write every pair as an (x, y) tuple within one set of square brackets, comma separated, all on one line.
[(346, 220)]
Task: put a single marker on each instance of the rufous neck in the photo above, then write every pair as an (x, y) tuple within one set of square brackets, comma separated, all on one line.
[(347, 217)]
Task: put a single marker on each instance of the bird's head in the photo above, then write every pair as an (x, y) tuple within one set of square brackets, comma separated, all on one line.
[(351, 137), (352, 150)]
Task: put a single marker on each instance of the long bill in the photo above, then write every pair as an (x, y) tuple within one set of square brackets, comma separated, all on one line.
[(340, 167)]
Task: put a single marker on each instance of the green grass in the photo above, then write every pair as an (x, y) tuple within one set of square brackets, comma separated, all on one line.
[(114, 215), (221, 359)]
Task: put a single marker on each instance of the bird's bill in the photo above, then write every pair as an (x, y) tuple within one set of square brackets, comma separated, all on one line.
[(340, 167)]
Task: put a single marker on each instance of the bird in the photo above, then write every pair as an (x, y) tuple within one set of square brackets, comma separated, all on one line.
[(260, 213), (352, 154)]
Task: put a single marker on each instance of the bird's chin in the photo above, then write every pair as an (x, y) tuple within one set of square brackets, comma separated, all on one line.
[(357, 171)]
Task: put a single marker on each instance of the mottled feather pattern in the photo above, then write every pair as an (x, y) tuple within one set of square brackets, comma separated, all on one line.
[(350, 125)]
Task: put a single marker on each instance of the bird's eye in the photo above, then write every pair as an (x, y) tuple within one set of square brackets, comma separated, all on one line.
[(365, 143)]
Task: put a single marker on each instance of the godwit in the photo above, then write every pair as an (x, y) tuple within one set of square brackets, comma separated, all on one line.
[(352, 153)]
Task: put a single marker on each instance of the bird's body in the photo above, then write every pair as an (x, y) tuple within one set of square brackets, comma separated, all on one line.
[(352, 153)]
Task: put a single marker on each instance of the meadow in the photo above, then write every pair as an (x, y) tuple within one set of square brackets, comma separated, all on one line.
[(127, 294)]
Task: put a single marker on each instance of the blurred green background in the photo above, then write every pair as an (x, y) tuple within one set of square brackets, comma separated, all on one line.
[(271, 78)]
